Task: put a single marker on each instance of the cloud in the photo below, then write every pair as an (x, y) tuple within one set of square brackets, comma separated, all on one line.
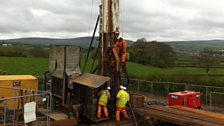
[(162, 20), (175, 20), (25, 17)]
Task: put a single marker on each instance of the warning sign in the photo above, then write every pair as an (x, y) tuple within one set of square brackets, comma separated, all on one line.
[(30, 112)]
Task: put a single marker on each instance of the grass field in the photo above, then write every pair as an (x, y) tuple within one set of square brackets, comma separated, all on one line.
[(135, 68), (23, 65), (37, 67)]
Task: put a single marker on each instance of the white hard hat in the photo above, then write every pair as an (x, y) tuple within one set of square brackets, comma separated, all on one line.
[(125, 88), (108, 88), (121, 87)]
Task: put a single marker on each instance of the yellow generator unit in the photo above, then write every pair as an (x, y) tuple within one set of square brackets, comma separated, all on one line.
[(14, 86)]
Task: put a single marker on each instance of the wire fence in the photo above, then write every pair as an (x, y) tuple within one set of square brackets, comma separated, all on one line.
[(24, 107), (216, 102), (211, 96)]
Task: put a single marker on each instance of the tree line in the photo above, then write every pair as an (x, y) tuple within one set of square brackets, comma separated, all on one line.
[(21, 51), (152, 53), (160, 54)]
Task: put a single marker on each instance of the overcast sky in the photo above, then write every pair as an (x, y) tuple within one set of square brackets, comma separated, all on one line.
[(162, 20)]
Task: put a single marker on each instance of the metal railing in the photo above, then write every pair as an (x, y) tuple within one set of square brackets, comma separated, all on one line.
[(158, 91), (13, 110)]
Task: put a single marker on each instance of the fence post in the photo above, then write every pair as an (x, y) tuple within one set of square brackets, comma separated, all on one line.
[(210, 101), (186, 86), (14, 111), (50, 103), (138, 86), (168, 89), (206, 96), (152, 93), (5, 109)]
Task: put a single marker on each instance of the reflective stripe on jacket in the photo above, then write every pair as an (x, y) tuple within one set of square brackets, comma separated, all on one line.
[(122, 99), (104, 96)]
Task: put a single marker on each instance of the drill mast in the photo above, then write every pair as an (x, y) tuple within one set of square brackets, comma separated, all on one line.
[(109, 31)]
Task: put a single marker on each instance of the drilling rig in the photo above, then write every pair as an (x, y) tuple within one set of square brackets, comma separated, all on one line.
[(70, 87)]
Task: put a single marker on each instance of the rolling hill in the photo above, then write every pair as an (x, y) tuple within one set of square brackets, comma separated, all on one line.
[(82, 41), (197, 45)]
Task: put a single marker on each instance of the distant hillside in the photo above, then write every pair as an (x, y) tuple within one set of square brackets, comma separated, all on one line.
[(196, 45), (82, 41)]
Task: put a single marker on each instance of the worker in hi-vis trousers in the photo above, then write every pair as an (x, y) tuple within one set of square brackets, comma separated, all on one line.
[(104, 96), (121, 49), (122, 99)]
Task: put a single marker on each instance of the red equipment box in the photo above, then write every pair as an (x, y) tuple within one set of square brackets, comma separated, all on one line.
[(190, 99)]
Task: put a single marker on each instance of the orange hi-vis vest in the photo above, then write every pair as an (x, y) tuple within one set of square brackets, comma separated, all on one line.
[(121, 45)]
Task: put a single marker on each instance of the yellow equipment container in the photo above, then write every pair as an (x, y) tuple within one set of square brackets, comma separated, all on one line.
[(27, 83)]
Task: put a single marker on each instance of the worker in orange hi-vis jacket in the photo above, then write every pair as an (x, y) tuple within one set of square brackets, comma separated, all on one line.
[(104, 96), (121, 49), (122, 99)]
